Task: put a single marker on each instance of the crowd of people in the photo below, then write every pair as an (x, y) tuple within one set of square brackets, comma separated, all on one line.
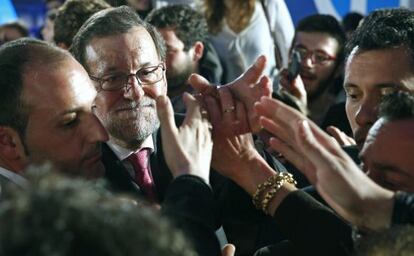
[(206, 128)]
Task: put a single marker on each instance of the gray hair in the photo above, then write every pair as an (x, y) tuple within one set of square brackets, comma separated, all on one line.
[(110, 22)]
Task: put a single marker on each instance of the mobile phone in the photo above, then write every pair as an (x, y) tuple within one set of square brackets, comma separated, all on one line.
[(294, 66)]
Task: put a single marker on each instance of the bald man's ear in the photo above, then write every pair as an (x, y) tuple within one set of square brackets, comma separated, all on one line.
[(11, 147), (198, 51)]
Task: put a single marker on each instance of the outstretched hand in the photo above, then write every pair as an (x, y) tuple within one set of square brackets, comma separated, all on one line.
[(340, 136), (337, 178), (234, 154), (248, 89), (187, 149)]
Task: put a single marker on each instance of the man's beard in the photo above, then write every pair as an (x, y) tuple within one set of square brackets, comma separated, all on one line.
[(177, 80), (133, 126)]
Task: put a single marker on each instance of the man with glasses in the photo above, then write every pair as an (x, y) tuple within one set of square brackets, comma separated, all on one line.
[(124, 56), (319, 40)]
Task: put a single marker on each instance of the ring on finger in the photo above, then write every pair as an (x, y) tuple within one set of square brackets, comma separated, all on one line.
[(229, 109)]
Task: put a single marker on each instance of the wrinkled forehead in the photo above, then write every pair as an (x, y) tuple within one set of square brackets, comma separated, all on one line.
[(134, 47)]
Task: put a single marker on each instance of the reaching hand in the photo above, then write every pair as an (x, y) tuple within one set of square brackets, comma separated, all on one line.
[(187, 149), (340, 136), (234, 154), (248, 89), (337, 178)]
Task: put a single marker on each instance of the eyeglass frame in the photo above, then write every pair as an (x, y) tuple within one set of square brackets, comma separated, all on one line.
[(312, 53), (101, 80)]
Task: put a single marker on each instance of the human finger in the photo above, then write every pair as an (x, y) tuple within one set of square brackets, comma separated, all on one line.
[(242, 123), (214, 112), (296, 158), (228, 250), (227, 104), (202, 85), (193, 112), (166, 116), (277, 130), (340, 136)]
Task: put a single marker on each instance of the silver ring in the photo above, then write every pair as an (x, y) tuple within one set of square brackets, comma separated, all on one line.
[(230, 109)]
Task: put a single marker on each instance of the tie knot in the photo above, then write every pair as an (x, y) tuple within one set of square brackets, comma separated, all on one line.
[(140, 158)]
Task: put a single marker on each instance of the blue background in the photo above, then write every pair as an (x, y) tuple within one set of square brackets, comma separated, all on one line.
[(32, 12)]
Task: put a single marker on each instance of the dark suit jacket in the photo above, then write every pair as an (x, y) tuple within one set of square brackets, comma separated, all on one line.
[(246, 227), (119, 179), (311, 229)]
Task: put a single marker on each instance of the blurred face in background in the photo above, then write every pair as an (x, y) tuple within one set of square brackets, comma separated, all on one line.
[(180, 63), (318, 60)]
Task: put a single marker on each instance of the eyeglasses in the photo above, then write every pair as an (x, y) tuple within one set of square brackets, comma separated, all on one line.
[(316, 56), (146, 76)]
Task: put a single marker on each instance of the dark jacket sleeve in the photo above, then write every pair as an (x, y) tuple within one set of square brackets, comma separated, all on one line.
[(403, 208), (190, 205), (313, 228)]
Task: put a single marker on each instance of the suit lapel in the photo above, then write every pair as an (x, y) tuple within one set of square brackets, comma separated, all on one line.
[(119, 178), (160, 172), (116, 175)]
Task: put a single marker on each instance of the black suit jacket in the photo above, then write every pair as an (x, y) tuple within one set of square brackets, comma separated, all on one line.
[(246, 227), (120, 181)]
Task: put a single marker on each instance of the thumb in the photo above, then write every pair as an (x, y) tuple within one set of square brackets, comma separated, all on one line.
[(166, 116), (266, 86), (255, 71), (228, 250), (200, 84)]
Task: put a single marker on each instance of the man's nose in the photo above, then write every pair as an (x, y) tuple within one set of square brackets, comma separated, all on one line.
[(367, 113), (306, 61), (133, 90)]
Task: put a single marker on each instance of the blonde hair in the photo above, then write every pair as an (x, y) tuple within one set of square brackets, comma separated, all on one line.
[(216, 11)]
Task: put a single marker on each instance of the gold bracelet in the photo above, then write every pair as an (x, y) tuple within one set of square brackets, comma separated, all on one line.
[(281, 179), (261, 188)]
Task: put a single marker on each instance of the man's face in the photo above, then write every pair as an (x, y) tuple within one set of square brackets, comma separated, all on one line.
[(128, 114), (387, 154), (180, 63), (316, 75), (369, 76), (61, 126)]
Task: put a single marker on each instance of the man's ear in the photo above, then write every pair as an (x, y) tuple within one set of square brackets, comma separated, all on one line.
[(11, 145), (198, 49)]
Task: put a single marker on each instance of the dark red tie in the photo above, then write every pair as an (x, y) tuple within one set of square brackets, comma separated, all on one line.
[(143, 178)]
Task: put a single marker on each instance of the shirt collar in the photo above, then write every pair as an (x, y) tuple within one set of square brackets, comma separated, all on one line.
[(123, 153), (13, 177)]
